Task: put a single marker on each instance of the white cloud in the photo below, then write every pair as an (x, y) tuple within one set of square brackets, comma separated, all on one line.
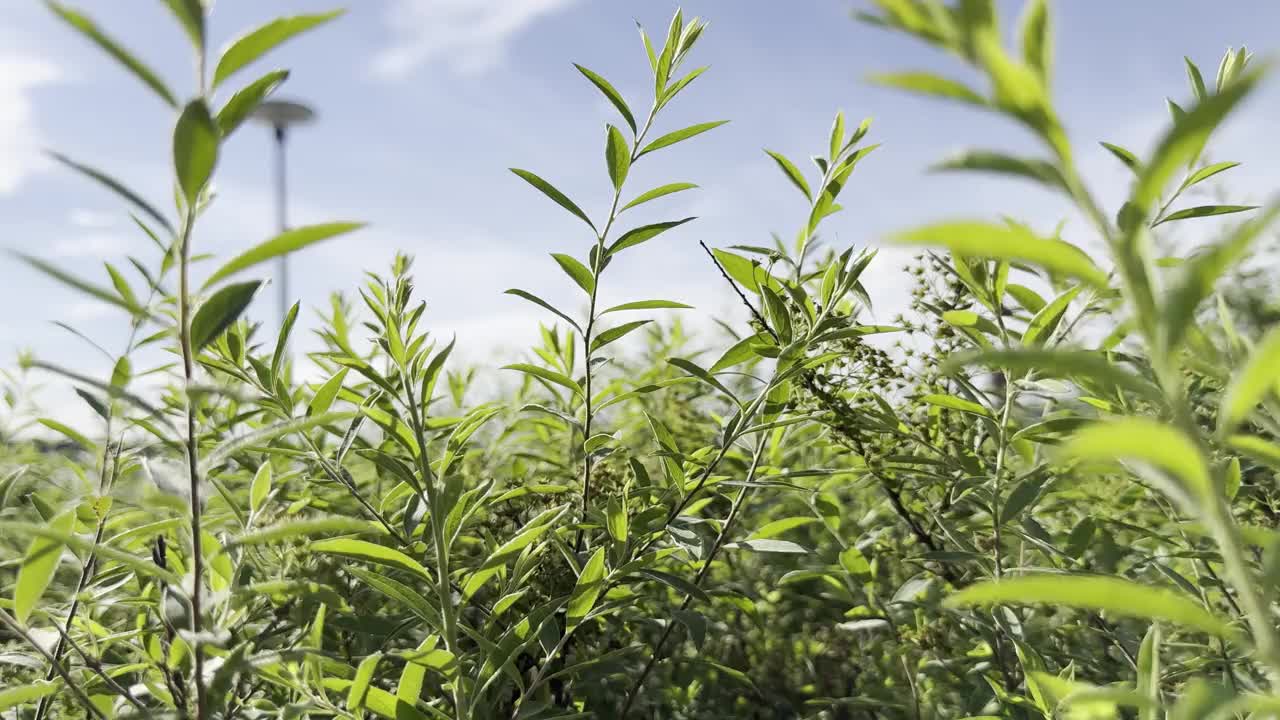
[(96, 245), (91, 219), (469, 34), (20, 136)]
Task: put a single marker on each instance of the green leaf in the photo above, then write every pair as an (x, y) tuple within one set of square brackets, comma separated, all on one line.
[(380, 702), (261, 40), (951, 402), (220, 311), (372, 553), (550, 191), (360, 685), (980, 239), (854, 562), (648, 305), (409, 688), (1146, 440), (672, 138), (617, 156), (769, 546), (116, 187), (1196, 79), (1201, 273), (1043, 323), (195, 149), (612, 94), (616, 519), (577, 271), (615, 333), (1000, 163), (1184, 142), (247, 99), (1087, 592), (792, 172), (1037, 40), (550, 376), (643, 234), (307, 528), (1130, 160), (15, 696), (190, 14), (543, 304), (328, 392), (90, 29), (836, 139), (88, 288), (929, 84), (658, 192), (260, 488), (777, 527), (586, 590), (39, 565), (286, 242), (1204, 211), (1205, 173), (1090, 365), (1251, 383), (66, 430)]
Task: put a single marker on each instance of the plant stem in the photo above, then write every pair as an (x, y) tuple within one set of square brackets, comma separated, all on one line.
[(597, 270), (658, 648), (193, 457)]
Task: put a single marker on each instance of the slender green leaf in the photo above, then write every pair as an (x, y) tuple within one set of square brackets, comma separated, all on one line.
[(284, 243), (38, 566), (672, 138), (195, 149), (371, 552), (617, 156), (1252, 383), (658, 192), (220, 311), (586, 590), (792, 172), (1204, 211), (648, 305), (247, 99), (1087, 592), (576, 271), (90, 30), (550, 191), (261, 40), (612, 94), (643, 234), (979, 239)]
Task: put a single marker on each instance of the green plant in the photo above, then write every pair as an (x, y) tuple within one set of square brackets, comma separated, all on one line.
[(1045, 491)]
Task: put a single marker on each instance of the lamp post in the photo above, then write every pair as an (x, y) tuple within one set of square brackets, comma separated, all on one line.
[(280, 115)]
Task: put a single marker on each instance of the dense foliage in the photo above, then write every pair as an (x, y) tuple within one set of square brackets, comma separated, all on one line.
[(1047, 491)]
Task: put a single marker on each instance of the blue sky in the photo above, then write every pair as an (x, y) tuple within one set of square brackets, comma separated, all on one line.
[(425, 103)]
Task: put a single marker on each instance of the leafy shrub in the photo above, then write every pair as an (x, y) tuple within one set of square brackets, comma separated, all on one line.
[(1052, 498)]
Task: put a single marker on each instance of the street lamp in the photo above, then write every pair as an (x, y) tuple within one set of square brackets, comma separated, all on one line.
[(280, 115)]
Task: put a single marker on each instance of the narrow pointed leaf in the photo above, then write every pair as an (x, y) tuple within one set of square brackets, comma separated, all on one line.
[(657, 193), (1110, 594), (282, 244), (612, 94), (90, 30), (247, 99), (259, 41), (195, 149), (550, 191), (674, 137), (979, 239), (643, 234), (222, 309)]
